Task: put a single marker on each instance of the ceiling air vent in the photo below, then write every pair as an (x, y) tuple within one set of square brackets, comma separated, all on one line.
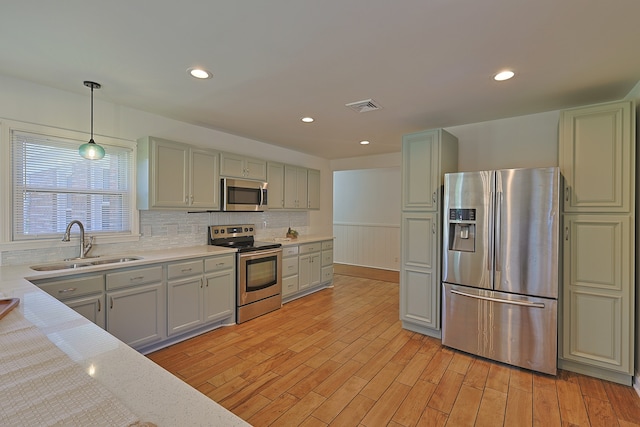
[(364, 106)]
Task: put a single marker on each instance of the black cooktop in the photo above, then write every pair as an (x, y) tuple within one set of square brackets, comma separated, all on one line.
[(240, 237)]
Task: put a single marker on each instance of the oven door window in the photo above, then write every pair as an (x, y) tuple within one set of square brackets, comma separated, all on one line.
[(261, 273)]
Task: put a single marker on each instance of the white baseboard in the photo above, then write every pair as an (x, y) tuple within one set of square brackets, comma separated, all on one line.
[(636, 386)]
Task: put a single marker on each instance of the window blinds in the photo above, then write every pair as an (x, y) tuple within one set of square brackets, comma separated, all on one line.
[(53, 185)]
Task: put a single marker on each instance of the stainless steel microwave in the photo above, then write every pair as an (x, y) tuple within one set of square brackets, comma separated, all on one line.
[(243, 196)]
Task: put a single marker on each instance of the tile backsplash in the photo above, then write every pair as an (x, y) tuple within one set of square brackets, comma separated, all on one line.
[(167, 229)]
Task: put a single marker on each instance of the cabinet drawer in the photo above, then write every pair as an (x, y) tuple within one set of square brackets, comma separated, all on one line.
[(327, 244), (184, 269), (219, 263), (289, 266), (289, 285), (327, 274), (310, 247), (289, 251), (70, 288), (135, 277), (327, 258)]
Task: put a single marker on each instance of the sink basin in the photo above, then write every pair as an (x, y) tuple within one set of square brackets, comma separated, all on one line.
[(114, 260), (78, 264), (65, 266)]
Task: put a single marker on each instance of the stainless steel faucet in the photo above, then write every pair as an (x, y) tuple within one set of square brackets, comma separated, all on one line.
[(84, 248)]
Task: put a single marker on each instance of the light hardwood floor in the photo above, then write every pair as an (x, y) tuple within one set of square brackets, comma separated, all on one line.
[(340, 357)]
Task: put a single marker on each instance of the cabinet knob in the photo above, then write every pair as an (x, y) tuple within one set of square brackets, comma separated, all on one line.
[(566, 233), (566, 194)]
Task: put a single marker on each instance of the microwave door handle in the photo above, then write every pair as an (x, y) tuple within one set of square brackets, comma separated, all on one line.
[(262, 195)]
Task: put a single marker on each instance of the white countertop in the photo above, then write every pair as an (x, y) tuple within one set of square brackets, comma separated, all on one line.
[(297, 241), (149, 391)]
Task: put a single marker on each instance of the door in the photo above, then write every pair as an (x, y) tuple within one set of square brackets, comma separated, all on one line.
[(527, 231), (467, 234)]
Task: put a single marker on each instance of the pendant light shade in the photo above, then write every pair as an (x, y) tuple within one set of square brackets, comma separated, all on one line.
[(91, 150)]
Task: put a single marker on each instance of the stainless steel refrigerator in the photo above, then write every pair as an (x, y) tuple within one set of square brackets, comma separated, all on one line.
[(500, 265)]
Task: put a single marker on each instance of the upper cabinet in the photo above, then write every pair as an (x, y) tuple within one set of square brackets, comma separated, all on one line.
[(233, 165), (292, 187), (313, 189), (596, 157), (295, 187), (426, 157), (275, 188), (173, 175)]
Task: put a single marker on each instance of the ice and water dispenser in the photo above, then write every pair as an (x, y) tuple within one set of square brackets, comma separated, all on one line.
[(462, 230)]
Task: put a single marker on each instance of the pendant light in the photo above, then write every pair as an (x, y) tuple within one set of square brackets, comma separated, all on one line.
[(91, 150)]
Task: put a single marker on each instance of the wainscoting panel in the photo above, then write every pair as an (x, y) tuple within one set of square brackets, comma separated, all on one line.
[(367, 245)]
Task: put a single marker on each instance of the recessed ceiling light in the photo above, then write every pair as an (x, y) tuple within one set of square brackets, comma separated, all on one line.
[(199, 73), (307, 119), (364, 142), (503, 75)]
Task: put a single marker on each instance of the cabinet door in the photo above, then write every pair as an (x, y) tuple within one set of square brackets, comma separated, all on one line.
[(419, 277), (304, 271), (231, 165), (420, 171), (301, 188), (91, 307), (170, 182), (137, 315), (219, 292), (184, 305), (275, 189), (598, 291), (290, 187), (256, 169), (597, 157), (205, 180), (316, 268), (313, 192)]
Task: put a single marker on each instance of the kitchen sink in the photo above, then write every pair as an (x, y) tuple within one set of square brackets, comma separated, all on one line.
[(81, 263)]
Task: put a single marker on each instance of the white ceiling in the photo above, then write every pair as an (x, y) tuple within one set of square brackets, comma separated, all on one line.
[(428, 63)]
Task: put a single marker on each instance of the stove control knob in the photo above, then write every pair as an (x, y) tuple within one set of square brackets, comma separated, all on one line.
[(250, 228), (246, 229), (216, 231), (222, 231)]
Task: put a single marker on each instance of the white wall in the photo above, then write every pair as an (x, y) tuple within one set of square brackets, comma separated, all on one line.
[(517, 142), (32, 103), (366, 217)]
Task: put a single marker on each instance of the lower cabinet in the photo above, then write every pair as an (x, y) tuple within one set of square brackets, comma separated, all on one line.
[(326, 274), (219, 288), (306, 268), (85, 294), (598, 299), (199, 292), (289, 270), (91, 307), (419, 274), (136, 306), (310, 265)]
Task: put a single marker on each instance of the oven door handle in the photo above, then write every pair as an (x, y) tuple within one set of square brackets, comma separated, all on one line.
[(258, 254)]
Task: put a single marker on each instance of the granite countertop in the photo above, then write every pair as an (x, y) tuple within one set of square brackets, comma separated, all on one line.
[(149, 391)]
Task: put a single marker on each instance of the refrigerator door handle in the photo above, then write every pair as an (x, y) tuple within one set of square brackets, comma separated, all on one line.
[(498, 226), (491, 232), (503, 301)]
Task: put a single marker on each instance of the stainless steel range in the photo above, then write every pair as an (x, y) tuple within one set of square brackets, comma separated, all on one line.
[(258, 267)]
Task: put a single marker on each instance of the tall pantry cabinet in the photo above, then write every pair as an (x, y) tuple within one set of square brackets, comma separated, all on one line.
[(597, 160), (426, 157)]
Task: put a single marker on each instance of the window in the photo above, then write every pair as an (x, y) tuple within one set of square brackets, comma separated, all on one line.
[(53, 185)]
